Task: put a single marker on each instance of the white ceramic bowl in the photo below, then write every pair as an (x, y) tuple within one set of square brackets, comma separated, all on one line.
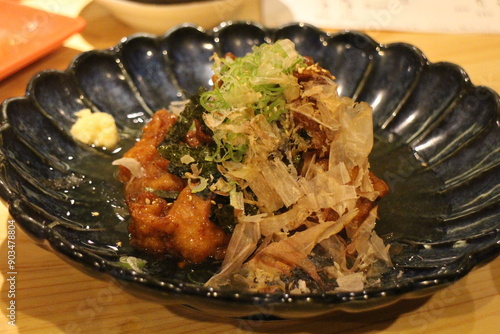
[(158, 18)]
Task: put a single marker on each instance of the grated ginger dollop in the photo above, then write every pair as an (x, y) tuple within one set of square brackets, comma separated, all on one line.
[(97, 129)]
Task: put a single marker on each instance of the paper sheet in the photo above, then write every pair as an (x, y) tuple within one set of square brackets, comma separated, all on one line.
[(439, 16)]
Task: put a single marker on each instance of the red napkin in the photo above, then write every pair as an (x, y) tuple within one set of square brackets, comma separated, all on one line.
[(27, 34)]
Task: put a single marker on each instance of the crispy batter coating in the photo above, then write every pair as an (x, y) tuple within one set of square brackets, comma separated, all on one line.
[(183, 228)]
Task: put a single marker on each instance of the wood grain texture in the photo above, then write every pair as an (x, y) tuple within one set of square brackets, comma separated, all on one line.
[(54, 297)]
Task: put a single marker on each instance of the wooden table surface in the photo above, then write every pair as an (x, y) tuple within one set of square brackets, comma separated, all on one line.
[(53, 297)]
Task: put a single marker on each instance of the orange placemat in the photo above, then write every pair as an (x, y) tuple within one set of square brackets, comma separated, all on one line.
[(27, 34)]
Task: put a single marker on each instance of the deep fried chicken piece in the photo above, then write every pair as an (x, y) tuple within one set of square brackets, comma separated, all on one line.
[(182, 228)]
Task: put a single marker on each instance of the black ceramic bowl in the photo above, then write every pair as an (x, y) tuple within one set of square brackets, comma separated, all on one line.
[(437, 145)]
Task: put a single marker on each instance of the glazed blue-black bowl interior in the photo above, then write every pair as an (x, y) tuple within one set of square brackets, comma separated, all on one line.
[(437, 145)]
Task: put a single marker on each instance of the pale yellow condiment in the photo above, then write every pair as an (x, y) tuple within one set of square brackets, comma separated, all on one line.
[(98, 129)]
